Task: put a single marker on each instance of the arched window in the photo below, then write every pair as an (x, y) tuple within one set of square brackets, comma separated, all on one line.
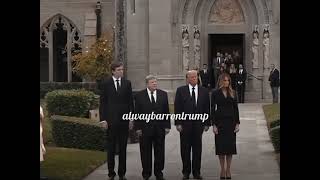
[(59, 40)]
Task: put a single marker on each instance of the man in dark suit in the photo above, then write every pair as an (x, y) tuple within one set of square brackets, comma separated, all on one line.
[(241, 83), (115, 100), (217, 62), (274, 79), (191, 99), (205, 76), (152, 132)]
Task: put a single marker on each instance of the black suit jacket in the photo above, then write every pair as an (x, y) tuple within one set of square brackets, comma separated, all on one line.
[(114, 104), (143, 106), (274, 78), (205, 77), (183, 103), (223, 107), (242, 77)]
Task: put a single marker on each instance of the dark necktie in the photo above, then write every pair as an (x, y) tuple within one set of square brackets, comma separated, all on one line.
[(153, 102), (193, 97), (118, 85)]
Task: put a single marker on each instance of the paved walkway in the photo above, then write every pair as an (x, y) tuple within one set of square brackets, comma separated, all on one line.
[(255, 159)]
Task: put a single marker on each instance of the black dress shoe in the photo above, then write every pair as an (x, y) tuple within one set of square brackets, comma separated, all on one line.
[(146, 178), (222, 177), (197, 177), (122, 178), (228, 177), (185, 177)]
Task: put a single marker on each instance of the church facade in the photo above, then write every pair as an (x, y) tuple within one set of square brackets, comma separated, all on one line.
[(164, 37)]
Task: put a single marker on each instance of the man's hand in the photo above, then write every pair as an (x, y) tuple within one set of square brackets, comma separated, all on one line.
[(167, 130), (215, 129), (206, 128), (236, 129), (104, 124), (179, 128), (139, 132)]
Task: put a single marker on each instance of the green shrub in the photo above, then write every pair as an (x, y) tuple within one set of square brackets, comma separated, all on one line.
[(275, 123), (71, 102), (46, 87), (79, 133), (275, 138)]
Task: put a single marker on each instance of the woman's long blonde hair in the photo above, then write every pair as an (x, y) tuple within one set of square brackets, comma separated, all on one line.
[(220, 84)]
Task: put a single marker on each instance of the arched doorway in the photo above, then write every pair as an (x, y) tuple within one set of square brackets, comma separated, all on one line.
[(59, 40)]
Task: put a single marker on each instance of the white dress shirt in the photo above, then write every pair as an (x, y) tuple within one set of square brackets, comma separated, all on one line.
[(115, 82), (154, 95), (195, 91)]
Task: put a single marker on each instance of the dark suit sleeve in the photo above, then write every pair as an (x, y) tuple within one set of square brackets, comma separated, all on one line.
[(207, 108), (103, 102), (178, 105), (130, 97), (236, 110), (213, 108), (244, 76), (166, 111), (137, 110)]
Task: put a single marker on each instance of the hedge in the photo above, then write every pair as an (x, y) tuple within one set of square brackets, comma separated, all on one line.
[(71, 102), (275, 123), (46, 87), (275, 138), (79, 133)]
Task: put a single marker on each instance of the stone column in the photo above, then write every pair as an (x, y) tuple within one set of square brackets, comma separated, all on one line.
[(121, 31)]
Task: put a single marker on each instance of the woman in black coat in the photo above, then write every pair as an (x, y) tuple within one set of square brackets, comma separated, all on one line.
[(225, 122)]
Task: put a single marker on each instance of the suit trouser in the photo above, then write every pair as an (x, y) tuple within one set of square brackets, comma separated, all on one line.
[(120, 137), (191, 139), (240, 91), (274, 94), (157, 140)]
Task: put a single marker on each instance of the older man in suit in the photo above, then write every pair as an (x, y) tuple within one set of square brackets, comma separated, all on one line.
[(115, 100), (191, 99), (152, 132)]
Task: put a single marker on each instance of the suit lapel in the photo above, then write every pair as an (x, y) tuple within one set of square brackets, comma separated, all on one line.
[(199, 97), (146, 95)]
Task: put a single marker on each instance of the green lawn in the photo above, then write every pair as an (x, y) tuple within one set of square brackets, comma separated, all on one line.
[(272, 112), (66, 163), (70, 164)]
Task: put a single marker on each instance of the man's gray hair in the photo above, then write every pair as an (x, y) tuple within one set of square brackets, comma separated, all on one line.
[(150, 77)]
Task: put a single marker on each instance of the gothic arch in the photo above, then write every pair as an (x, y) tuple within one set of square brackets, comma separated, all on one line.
[(74, 40)]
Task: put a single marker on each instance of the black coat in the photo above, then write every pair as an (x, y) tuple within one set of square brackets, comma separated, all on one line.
[(114, 104), (143, 106), (223, 107), (205, 77), (183, 103), (242, 77), (274, 78)]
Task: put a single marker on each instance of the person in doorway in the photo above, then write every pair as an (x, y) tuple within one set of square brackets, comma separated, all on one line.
[(205, 76), (241, 83)]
